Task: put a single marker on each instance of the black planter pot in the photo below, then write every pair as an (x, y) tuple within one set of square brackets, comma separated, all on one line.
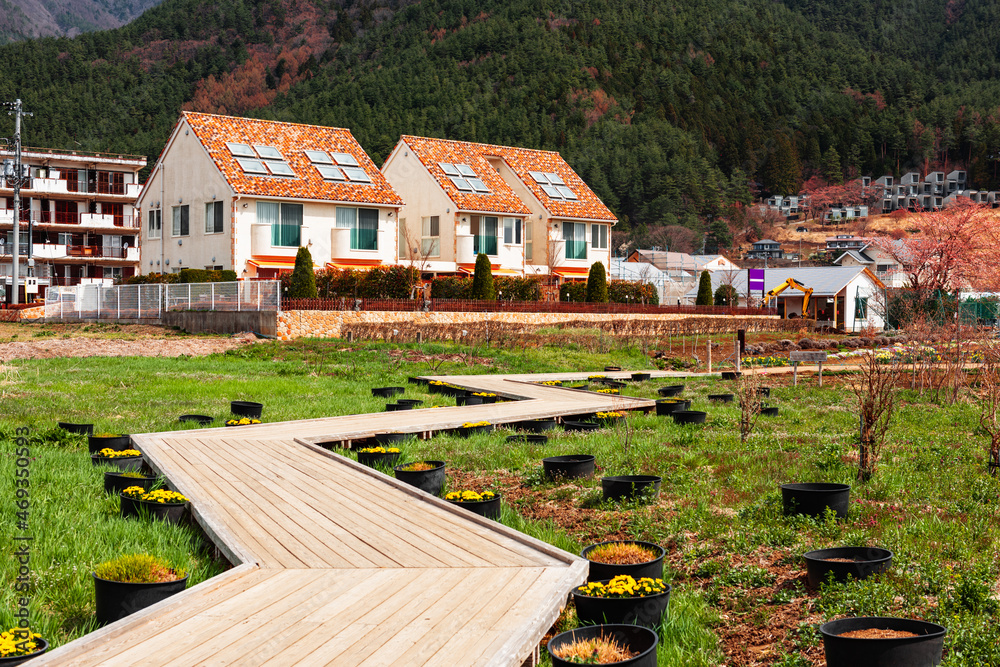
[(393, 438), (731, 375), (646, 611), (634, 637), (769, 411), (387, 392), (864, 562), (468, 400), (123, 463), (924, 650), (168, 512), (12, 660), (431, 481), (671, 390), (413, 402), (580, 426), (812, 499), (604, 571), (612, 369), (203, 420), (86, 429), (573, 466), (528, 438), (469, 431), (397, 407), (116, 600), (378, 460), (420, 382), (721, 398), (581, 387), (764, 392), (96, 443), (614, 384), (116, 482), (689, 416), (536, 425), (246, 409), (667, 406), (640, 377), (487, 508), (630, 487)]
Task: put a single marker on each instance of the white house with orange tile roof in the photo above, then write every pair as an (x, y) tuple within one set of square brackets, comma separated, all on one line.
[(527, 210), (245, 194)]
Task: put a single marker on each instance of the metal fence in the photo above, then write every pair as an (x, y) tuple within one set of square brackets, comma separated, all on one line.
[(137, 302)]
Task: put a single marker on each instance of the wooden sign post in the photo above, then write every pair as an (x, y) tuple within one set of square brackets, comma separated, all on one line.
[(796, 357)]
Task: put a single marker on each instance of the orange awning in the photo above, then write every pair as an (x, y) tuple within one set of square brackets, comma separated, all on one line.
[(494, 269), (572, 271), (359, 264), (282, 263)]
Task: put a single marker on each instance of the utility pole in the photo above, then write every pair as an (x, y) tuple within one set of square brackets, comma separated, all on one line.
[(15, 172)]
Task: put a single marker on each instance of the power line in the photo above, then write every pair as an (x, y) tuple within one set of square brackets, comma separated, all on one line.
[(14, 173)]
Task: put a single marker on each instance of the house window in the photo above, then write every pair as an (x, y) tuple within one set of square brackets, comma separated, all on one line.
[(363, 223), (861, 307), (181, 225), (430, 236), (213, 217), (67, 212), (575, 235), (285, 221), (528, 245), (883, 268), (484, 232), (512, 231), (599, 237), (154, 225)]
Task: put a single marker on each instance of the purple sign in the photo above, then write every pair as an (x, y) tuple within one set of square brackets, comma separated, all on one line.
[(755, 279)]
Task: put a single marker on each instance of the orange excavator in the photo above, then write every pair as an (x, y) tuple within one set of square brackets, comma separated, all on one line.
[(791, 282)]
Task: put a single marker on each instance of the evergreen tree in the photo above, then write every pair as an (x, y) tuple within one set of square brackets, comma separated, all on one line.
[(704, 290), (726, 295), (303, 283), (482, 279), (597, 284), (783, 173), (833, 172)]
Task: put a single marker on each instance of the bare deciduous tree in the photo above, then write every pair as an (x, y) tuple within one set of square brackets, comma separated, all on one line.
[(989, 404), (875, 396), (748, 389)]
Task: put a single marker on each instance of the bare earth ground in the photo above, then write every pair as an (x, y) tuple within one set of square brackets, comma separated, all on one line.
[(31, 341)]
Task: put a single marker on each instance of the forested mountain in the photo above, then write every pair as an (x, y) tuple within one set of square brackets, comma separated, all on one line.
[(23, 19), (672, 111)]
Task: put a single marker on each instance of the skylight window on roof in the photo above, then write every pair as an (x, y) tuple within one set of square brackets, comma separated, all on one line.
[(357, 174), (318, 157), (344, 159), (330, 173), (566, 192), (240, 150), (252, 166), (538, 177), (279, 168), (268, 152), (449, 169), (461, 183), (551, 190), (555, 179), (465, 170), (478, 185)]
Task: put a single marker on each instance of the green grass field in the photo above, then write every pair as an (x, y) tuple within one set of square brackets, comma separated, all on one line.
[(733, 559)]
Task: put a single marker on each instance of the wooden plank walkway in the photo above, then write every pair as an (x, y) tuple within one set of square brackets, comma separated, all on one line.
[(338, 564)]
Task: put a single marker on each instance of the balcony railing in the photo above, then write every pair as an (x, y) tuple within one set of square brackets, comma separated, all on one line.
[(73, 218)]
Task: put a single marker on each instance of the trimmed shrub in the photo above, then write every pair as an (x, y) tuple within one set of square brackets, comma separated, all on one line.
[(482, 280), (705, 296), (637, 292), (516, 288), (451, 287), (597, 284), (303, 282), (726, 295), (573, 291)]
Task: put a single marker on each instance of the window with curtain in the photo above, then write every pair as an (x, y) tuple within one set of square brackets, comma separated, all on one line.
[(861, 307), (528, 245), (575, 235), (512, 231), (181, 222), (154, 224), (213, 217), (285, 221), (484, 231), (430, 236), (599, 237), (363, 223)]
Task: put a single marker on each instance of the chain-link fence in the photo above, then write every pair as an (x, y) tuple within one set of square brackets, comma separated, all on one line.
[(132, 302)]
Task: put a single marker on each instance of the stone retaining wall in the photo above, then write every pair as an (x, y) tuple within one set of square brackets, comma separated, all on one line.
[(331, 324)]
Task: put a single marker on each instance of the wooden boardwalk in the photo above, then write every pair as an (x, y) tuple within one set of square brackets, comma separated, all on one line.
[(338, 564)]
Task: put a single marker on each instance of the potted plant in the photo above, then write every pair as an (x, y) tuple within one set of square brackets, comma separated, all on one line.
[(427, 476), (19, 645), (118, 481), (689, 416), (85, 429), (485, 396), (536, 425), (484, 503), (201, 420), (380, 456), (608, 418), (631, 645), (631, 487), (812, 498), (123, 459), (667, 406), (882, 642), (160, 504), (387, 392), (623, 599), (246, 409), (845, 562), (393, 437), (528, 439), (632, 557), (670, 390), (573, 425), (640, 377), (721, 398), (129, 583), (573, 466), (242, 421), (96, 443), (474, 428)]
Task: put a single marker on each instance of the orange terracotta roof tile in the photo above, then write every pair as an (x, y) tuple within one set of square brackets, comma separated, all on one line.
[(430, 151), (291, 139)]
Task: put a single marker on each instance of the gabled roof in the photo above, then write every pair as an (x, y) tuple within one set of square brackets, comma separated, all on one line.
[(502, 198), (856, 255), (824, 280), (291, 140), (664, 259), (766, 241)]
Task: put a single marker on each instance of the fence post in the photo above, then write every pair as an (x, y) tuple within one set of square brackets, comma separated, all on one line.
[(189, 296), (708, 346), (118, 299), (138, 301), (213, 295), (239, 295), (159, 302)]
